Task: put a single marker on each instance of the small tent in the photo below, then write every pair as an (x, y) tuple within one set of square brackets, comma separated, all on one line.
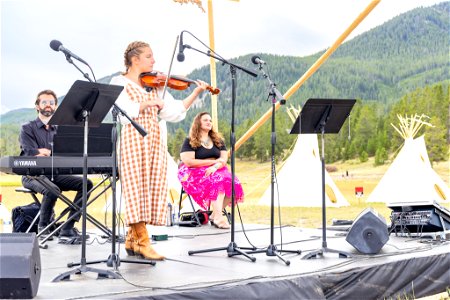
[(410, 178), (300, 179)]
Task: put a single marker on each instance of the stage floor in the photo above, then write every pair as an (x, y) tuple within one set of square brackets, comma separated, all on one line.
[(418, 266)]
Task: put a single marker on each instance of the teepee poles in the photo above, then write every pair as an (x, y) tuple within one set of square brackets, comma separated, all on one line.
[(410, 126)]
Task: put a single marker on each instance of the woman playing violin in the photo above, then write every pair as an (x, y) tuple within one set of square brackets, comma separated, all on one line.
[(143, 160)]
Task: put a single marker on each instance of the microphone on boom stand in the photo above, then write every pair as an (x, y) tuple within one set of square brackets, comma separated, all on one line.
[(274, 94), (57, 46), (258, 61)]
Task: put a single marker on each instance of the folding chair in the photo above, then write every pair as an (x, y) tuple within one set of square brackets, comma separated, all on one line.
[(197, 221)]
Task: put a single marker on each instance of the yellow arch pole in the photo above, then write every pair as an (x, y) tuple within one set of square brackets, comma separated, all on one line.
[(308, 73), (212, 66)]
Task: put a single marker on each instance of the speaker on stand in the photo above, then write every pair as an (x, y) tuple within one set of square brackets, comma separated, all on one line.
[(20, 265), (369, 232)]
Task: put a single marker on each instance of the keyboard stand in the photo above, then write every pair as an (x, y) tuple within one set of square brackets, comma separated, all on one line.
[(71, 204)]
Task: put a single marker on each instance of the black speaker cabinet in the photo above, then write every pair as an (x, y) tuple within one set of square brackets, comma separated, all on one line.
[(20, 265), (369, 232)]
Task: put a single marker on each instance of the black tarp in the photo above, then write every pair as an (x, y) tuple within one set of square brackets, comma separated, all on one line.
[(418, 277)]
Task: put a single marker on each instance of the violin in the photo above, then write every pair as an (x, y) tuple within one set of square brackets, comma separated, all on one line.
[(157, 79)]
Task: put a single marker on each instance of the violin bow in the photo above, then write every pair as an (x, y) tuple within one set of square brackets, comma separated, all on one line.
[(170, 68)]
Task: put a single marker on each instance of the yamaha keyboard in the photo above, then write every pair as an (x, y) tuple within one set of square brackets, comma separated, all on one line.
[(56, 165)]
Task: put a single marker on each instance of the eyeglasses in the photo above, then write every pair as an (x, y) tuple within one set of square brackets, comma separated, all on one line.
[(47, 102)]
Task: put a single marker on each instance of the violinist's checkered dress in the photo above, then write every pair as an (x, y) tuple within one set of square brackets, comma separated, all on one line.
[(143, 165)]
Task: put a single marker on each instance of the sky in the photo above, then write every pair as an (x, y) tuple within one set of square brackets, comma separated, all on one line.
[(99, 31)]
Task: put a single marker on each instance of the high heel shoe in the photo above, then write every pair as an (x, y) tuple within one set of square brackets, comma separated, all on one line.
[(222, 224)]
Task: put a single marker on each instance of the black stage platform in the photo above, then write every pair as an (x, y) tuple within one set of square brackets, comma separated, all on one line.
[(404, 266)]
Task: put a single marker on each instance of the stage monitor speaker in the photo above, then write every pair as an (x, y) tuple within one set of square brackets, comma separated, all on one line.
[(20, 265), (369, 232)]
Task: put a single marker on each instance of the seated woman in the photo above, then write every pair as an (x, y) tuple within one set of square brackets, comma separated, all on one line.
[(204, 174)]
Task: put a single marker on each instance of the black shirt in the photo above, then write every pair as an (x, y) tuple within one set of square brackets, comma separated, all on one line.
[(202, 152), (34, 135)]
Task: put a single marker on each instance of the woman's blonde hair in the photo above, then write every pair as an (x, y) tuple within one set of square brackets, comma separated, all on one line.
[(195, 136), (133, 50)]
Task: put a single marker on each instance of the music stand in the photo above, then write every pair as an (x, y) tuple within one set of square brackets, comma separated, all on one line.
[(86, 104), (323, 116)]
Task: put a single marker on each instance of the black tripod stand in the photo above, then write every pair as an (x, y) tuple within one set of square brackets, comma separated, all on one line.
[(323, 116), (272, 250), (114, 260), (86, 104), (232, 248)]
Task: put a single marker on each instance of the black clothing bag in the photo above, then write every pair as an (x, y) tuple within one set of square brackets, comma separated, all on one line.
[(23, 216)]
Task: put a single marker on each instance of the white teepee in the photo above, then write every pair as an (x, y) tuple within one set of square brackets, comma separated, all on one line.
[(410, 179), (300, 179)]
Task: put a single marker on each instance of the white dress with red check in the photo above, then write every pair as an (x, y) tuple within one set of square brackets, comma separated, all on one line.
[(143, 160)]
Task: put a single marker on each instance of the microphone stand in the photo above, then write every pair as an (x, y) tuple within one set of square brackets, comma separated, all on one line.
[(272, 250), (84, 115), (85, 75), (232, 248), (114, 259)]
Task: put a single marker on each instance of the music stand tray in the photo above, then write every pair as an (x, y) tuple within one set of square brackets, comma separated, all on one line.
[(320, 116), (97, 98), (315, 108), (86, 104)]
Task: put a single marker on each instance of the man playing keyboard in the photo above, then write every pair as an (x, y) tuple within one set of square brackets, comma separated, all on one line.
[(36, 138)]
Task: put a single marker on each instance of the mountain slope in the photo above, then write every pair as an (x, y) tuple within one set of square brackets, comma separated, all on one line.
[(407, 52)]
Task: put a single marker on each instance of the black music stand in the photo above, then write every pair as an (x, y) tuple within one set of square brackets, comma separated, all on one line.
[(323, 116), (86, 104)]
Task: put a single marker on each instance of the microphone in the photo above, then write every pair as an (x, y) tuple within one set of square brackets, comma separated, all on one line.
[(257, 60), (180, 55), (57, 46)]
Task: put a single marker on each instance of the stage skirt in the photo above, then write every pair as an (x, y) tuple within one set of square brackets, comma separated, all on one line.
[(204, 189)]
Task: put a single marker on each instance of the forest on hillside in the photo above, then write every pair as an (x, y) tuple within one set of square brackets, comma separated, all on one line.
[(367, 133)]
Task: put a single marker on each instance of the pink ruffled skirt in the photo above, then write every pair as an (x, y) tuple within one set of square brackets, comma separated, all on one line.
[(204, 189)]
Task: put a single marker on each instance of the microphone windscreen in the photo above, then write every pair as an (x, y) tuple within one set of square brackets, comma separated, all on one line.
[(55, 44), (180, 56), (254, 59)]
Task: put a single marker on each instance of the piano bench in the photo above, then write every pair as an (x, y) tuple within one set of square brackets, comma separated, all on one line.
[(28, 191)]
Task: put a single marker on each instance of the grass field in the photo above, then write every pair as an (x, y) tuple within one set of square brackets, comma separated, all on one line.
[(255, 178)]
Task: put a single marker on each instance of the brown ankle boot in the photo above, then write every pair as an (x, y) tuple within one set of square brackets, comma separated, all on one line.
[(142, 244), (129, 241)]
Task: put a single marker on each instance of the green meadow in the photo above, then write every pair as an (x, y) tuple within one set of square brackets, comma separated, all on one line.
[(255, 178)]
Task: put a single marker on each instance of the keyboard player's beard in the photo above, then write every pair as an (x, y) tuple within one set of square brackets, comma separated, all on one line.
[(47, 113)]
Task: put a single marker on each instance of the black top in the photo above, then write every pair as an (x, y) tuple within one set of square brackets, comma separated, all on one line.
[(34, 135), (202, 152)]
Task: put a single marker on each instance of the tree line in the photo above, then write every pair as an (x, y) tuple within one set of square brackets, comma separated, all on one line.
[(366, 133)]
